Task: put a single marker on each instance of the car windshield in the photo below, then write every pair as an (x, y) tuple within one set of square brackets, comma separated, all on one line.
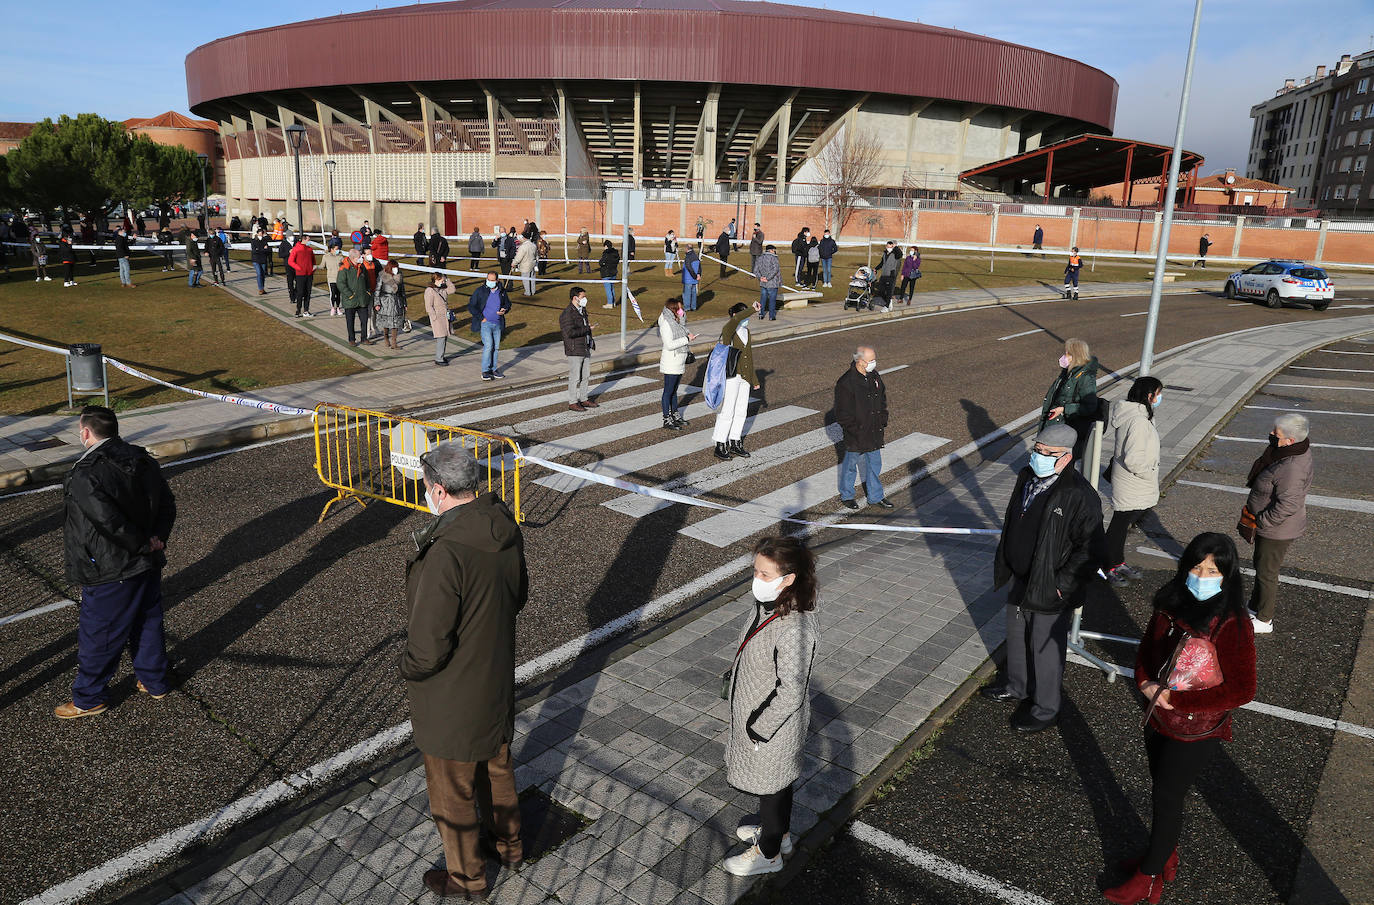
[(1309, 273), (1258, 268)]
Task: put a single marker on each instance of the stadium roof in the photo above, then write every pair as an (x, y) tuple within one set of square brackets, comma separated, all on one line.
[(170, 120), (1083, 162)]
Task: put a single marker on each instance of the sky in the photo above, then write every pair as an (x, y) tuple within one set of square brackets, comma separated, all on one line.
[(122, 60)]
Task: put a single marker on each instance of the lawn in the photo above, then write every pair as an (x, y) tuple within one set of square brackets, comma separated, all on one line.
[(202, 338)]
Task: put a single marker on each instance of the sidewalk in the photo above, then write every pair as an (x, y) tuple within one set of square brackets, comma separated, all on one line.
[(634, 742), (39, 449)]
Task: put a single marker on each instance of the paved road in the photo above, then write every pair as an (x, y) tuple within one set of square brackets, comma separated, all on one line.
[(286, 632), (1042, 816)]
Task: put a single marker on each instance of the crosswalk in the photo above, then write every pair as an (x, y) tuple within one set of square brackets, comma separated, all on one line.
[(776, 436)]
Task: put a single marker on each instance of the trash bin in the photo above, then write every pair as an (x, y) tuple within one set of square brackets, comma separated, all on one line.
[(88, 371)]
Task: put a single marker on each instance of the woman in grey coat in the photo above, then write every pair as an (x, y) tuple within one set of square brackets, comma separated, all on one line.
[(770, 701), (1133, 474)]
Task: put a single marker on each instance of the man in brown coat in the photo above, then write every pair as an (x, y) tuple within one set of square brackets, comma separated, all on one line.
[(1278, 482), (465, 584)]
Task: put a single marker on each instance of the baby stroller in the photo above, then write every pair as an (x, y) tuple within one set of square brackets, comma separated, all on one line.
[(860, 295)]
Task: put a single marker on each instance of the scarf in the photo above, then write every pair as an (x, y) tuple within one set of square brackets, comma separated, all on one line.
[(1274, 454)]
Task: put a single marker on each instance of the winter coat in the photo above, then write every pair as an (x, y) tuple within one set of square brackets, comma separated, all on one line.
[(608, 264), (1234, 640), (828, 248), (121, 244), (476, 244), (756, 243), (261, 249), (769, 271), (214, 246), (381, 248), (302, 259), (584, 246), (1278, 497), (332, 261), (770, 702), (284, 250), (192, 253), (729, 335), (1135, 458), (526, 257), (723, 246), (669, 246), (691, 268), (892, 263), (1075, 388), (911, 265), (577, 332), (421, 242), (438, 249), (1070, 523), (813, 251), (115, 499), (436, 306), (353, 291), (1038, 237), (65, 249), (861, 410), (483, 307), (798, 246), (464, 586), (507, 247), (630, 247), (390, 301), (673, 334), (1203, 244)]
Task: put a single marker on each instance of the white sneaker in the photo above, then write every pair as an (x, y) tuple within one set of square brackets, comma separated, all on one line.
[(608, 305), (47, 279), (749, 832), (751, 863), (1261, 627), (38, 279)]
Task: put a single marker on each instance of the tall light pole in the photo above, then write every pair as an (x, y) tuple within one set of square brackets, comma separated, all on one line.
[(296, 132), (1147, 352), (739, 170), (333, 221), (204, 194)]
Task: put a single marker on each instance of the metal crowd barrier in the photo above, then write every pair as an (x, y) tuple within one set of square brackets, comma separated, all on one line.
[(373, 455)]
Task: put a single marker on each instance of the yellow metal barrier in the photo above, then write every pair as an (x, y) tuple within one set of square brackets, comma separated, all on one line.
[(372, 455)]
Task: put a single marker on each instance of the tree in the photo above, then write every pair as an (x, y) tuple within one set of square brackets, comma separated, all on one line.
[(159, 174), (847, 166)]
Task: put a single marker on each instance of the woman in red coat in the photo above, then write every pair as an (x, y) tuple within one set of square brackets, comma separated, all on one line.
[(1195, 665)]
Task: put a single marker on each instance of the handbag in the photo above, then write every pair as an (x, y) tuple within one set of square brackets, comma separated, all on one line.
[(691, 357), (1193, 667), (1247, 526)]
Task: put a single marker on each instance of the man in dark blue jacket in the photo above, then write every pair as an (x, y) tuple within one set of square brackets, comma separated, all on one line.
[(119, 514), (489, 306)]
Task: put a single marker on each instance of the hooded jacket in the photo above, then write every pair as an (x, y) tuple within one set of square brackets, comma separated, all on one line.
[(476, 244), (115, 500), (1135, 459), (302, 259), (1075, 388), (465, 583), (1070, 522)]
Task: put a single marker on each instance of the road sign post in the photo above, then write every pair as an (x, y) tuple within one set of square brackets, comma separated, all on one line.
[(627, 209)]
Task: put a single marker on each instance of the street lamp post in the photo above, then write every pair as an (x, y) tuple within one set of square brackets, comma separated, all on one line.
[(333, 221), (296, 132), (204, 194), (739, 169)]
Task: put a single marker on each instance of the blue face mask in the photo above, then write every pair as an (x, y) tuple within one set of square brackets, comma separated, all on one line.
[(491, 284), (1042, 465), (1202, 588)]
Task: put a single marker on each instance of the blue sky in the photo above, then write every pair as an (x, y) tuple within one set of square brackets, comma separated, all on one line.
[(127, 60)]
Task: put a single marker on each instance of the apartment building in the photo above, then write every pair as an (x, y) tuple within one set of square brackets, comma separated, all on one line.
[(1345, 186)]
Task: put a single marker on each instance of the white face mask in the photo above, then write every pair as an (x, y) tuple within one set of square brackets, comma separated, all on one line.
[(871, 366), (429, 502), (491, 284), (581, 301), (767, 591)]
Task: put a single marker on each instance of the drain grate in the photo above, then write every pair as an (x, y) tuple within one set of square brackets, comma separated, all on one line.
[(36, 445), (545, 824)]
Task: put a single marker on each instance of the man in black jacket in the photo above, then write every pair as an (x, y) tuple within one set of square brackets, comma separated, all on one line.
[(119, 514), (261, 254), (861, 412), (577, 348), (284, 249), (723, 252), (1052, 521), (421, 243), (121, 244), (438, 249), (799, 243)]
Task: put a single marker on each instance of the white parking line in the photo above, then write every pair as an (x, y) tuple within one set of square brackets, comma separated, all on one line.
[(1311, 386), (1325, 502), (1319, 446), (942, 867), (1337, 370), (1343, 352), (1136, 314), (1239, 304), (38, 611), (1017, 335), (1280, 408)]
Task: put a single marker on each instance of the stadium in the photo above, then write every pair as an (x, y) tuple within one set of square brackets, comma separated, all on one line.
[(691, 99)]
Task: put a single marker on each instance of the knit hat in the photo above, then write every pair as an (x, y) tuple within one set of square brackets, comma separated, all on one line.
[(1057, 436)]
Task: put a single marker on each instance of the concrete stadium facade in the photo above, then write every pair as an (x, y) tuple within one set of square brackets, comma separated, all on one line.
[(550, 99)]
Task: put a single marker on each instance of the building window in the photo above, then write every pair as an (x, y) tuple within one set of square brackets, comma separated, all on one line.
[(1345, 164), (1355, 113), (1354, 193), (1359, 164), (1366, 136), (1352, 138), (1363, 86), (1340, 193), (1326, 193)]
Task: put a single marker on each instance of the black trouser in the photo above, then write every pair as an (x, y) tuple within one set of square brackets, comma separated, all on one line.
[(775, 816), (291, 283), (69, 271), (333, 295), (167, 261), (1122, 521), (908, 287), (813, 270), (361, 313), (217, 268), (1174, 767), (800, 262), (543, 267), (1036, 646), (303, 284), (724, 272), (885, 286), (472, 264), (505, 265)]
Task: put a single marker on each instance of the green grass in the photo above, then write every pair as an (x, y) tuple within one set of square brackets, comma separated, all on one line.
[(201, 338)]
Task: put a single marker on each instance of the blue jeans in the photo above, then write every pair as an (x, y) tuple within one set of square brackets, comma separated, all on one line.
[(768, 303), (689, 296), (124, 276), (670, 385), (825, 270), (261, 270), (610, 291), (491, 341), (113, 616), (873, 466), (192, 275)]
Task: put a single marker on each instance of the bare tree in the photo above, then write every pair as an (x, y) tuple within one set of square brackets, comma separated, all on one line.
[(847, 167), (906, 195)]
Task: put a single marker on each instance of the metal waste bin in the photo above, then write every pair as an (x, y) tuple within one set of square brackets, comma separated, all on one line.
[(87, 367)]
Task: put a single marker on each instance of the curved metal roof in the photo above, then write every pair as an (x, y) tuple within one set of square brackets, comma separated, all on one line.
[(694, 41)]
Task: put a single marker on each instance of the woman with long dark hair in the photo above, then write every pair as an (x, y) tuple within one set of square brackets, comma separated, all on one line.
[(1195, 665), (1134, 472), (770, 698)]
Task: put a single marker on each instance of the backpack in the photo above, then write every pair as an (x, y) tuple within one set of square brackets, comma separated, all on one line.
[(713, 391)]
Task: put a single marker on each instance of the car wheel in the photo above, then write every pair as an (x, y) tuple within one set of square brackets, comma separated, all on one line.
[(1320, 306), (1230, 290), (1273, 300)]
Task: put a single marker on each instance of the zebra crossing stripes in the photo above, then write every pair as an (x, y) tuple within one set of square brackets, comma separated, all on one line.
[(591, 440), (668, 450), (543, 400), (730, 527), (619, 404), (722, 473)]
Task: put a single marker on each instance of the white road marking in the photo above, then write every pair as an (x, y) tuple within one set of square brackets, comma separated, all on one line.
[(1343, 352), (1280, 408), (1320, 446), (38, 611), (1283, 579), (1136, 314), (1018, 335), (1238, 304), (1325, 502), (942, 867), (1337, 370), (566, 416), (1310, 386), (515, 407), (591, 439)]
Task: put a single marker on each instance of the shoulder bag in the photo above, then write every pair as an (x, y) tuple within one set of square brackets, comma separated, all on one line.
[(1193, 667), (725, 679)]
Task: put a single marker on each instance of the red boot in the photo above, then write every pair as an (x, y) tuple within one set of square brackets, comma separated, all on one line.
[(1139, 888), (1170, 867)]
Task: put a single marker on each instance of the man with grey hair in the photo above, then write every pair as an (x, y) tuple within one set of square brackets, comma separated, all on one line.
[(465, 583), (1275, 513), (861, 412), (1053, 522)]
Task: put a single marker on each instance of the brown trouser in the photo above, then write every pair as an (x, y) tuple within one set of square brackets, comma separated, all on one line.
[(1264, 598), (456, 790)]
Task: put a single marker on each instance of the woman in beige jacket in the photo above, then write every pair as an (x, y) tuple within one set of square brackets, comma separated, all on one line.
[(1134, 472), (436, 306)]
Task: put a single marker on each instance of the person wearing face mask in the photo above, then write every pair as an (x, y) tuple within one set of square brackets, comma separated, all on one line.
[(669, 253), (1275, 513), (1133, 472), (354, 297), (1195, 664), (769, 273), (769, 693), (436, 306), (465, 583), (1052, 525), (1072, 396), (828, 249), (578, 346), (488, 306), (261, 256), (672, 360), (739, 380), (609, 269), (861, 412), (756, 242), (526, 260)]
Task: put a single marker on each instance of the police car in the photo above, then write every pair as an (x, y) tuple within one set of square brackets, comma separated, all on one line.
[(1278, 282)]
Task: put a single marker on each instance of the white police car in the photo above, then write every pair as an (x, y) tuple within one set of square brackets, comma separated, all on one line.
[(1278, 282)]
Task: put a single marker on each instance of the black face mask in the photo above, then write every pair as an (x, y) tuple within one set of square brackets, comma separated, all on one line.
[(1273, 441)]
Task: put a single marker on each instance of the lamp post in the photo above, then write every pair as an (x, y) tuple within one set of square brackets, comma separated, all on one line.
[(296, 132), (739, 170), (204, 194), (333, 221)]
